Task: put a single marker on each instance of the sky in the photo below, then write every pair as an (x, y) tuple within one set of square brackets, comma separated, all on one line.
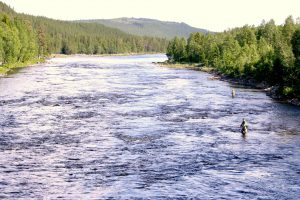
[(214, 15)]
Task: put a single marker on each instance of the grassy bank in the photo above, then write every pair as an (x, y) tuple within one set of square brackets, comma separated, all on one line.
[(9, 68)]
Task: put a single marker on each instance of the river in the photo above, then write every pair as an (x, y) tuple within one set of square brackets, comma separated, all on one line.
[(121, 127)]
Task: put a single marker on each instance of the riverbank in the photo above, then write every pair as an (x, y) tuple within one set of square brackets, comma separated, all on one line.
[(102, 55), (271, 91), (10, 68)]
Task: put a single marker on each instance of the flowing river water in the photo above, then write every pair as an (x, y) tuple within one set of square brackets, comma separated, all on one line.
[(124, 128)]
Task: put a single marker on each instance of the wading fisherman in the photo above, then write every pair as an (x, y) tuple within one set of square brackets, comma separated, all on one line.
[(244, 126), (233, 93)]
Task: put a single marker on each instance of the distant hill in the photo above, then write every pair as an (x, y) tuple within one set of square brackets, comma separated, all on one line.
[(149, 27)]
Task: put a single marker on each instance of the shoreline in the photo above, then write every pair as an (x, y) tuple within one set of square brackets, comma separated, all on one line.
[(248, 83), (11, 68), (101, 55)]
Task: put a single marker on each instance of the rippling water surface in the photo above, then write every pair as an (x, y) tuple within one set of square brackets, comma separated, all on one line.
[(121, 127)]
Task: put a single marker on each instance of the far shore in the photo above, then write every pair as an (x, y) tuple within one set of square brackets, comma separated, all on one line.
[(101, 55)]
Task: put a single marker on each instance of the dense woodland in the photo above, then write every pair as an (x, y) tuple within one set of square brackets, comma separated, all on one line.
[(267, 53), (24, 37)]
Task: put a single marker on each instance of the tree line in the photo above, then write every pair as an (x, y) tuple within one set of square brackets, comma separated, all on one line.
[(25, 37), (268, 52)]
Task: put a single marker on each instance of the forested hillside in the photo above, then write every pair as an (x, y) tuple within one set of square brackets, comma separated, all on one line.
[(149, 27), (91, 38), (25, 37), (265, 53)]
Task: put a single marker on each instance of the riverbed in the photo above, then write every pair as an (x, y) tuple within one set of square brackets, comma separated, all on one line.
[(121, 127)]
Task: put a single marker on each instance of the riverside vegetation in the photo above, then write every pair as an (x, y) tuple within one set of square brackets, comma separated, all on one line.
[(267, 53), (26, 39)]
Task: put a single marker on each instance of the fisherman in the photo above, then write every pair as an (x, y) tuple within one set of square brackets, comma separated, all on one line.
[(233, 93), (244, 126)]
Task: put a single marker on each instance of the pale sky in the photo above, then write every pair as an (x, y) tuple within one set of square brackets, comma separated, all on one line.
[(214, 15)]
